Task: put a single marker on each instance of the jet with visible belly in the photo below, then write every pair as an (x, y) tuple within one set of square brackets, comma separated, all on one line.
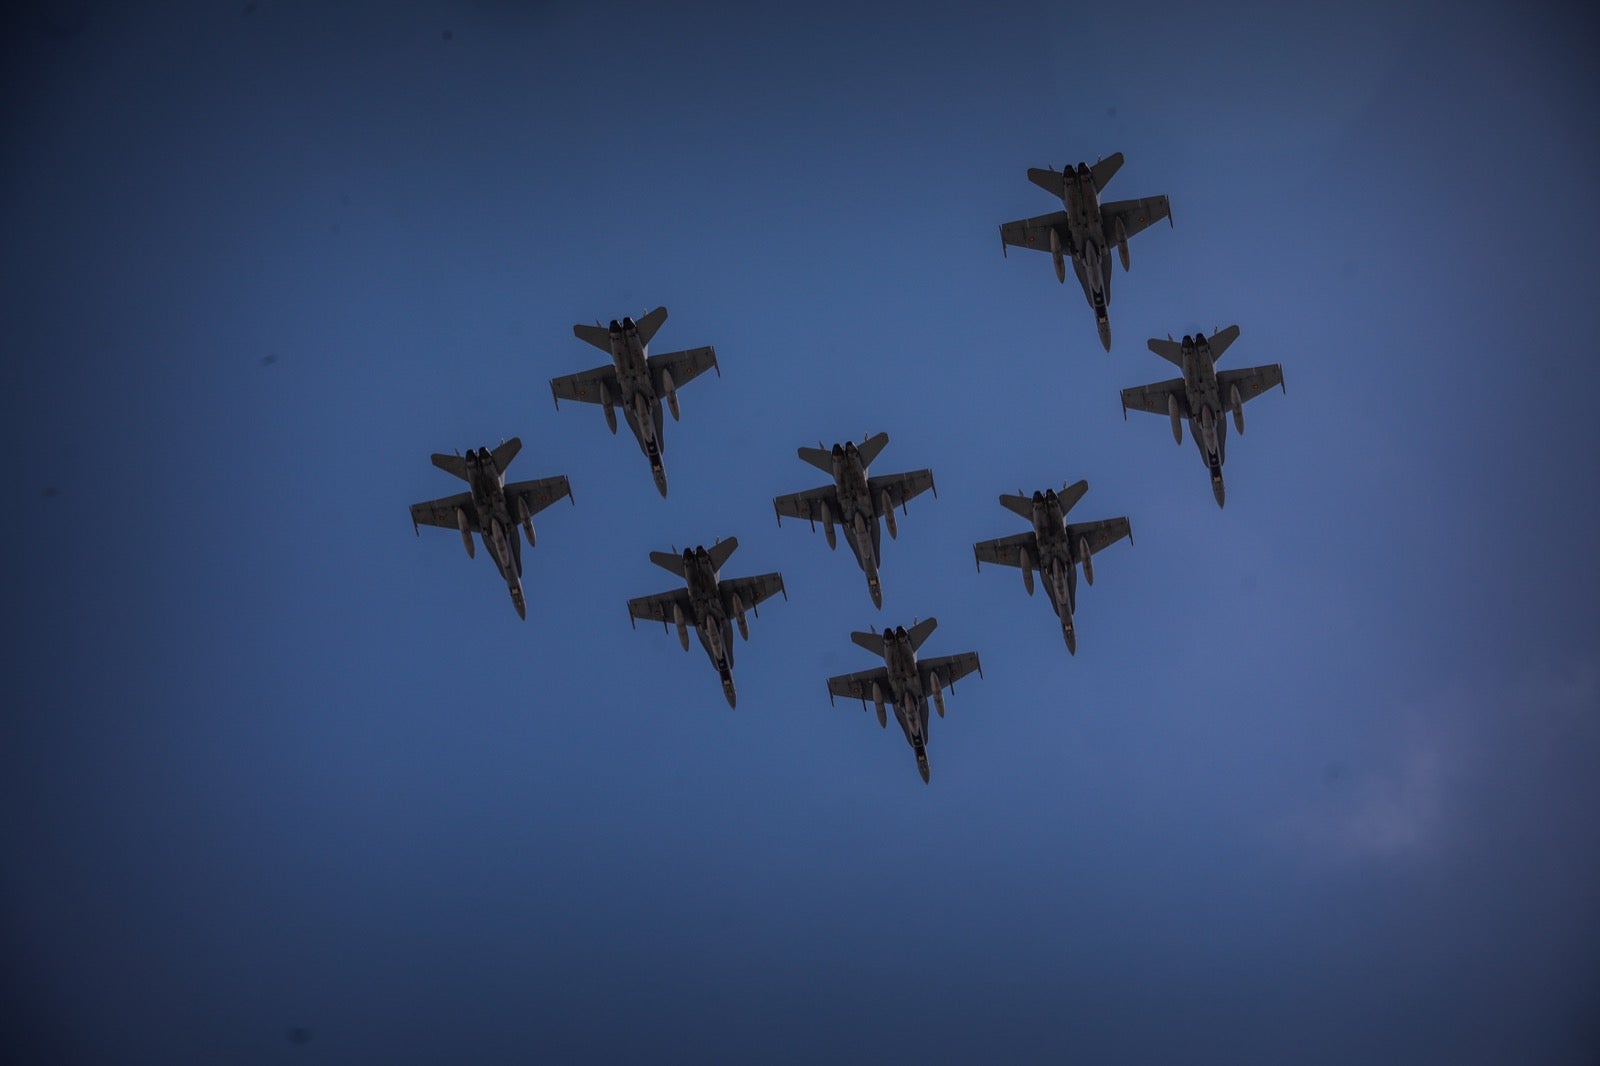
[(706, 602), (636, 381), (855, 501), (905, 682), (1203, 396), (1087, 230), (492, 509), (1054, 548)]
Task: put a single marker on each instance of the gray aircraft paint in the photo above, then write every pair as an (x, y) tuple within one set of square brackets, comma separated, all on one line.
[(492, 509), (1054, 548), (1202, 396), (1087, 230), (855, 501), (636, 381), (905, 683)]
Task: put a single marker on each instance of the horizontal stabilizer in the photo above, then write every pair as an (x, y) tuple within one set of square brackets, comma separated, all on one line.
[(871, 641), (721, 550), (506, 452), (451, 464), (1220, 340), (1170, 350), (1071, 494), (1021, 505), (598, 336), (871, 448), (1105, 170), (920, 632), (1051, 181), (820, 458), (650, 323), (669, 561)]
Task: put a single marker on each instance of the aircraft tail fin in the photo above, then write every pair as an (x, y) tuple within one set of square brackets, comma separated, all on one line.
[(598, 336), (450, 464), (871, 448), (1019, 505), (1105, 170), (919, 633), (650, 323), (507, 451), (669, 561), (1071, 494), (870, 641), (721, 551), (820, 458), (1051, 181)]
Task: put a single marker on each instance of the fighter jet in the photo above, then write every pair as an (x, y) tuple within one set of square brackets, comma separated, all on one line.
[(1086, 230), (855, 501), (905, 682), (1202, 395), (1054, 547), (636, 380), (707, 603), (492, 509)]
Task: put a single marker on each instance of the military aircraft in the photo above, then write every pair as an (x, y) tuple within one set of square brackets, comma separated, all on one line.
[(492, 509), (1202, 395), (905, 682), (636, 380), (1054, 547), (855, 501), (1086, 230), (706, 602)]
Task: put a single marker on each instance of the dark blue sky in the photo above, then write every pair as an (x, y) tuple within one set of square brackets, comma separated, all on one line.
[(1317, 788)]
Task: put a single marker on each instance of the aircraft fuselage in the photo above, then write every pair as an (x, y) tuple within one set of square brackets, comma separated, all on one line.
[(496, 524), (910, 701)]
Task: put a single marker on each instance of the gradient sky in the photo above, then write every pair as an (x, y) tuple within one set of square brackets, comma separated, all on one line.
[(1318, 787)]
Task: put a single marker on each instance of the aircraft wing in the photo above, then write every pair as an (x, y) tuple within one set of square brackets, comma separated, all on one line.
[(858, 686), (684, 366), (1035, 232), (1252, 382), (751, 590), (1153, 398), (1100, 535), (900, 487), (1007, 551), (442, 512), (951, 668), (537, 494), (1135, 215), (658, 608), (586, 386), (807, 506)]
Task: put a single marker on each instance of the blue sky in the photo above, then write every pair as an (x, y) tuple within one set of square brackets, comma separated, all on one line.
[(1315, 788)]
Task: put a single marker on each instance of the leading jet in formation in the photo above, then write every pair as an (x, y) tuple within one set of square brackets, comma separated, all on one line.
[(1053, 547), (1086, 231), (492, 509), (904, 681), (636, 380), (855, 501), (707, 602), (1203, 395)]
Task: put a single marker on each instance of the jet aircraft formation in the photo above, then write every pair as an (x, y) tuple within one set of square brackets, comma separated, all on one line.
[(858, 503)]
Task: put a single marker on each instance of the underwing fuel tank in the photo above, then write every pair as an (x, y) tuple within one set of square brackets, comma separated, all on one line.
[(1056, 256), (466, 533), (1238, 409), (683, 629), (938, 692), (1027, 570), (671, 393), (888, 516), (827, 526), (1122, 243), (610, 409), (877, 704), (1172, 413), (738, 613), (1087, 559)]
